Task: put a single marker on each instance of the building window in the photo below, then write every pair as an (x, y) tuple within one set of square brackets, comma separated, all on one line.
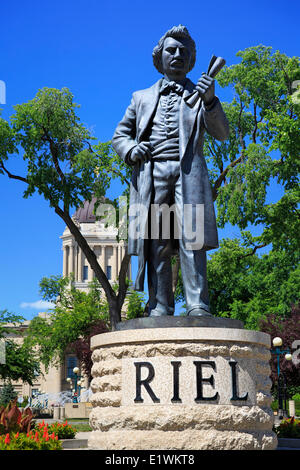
[(71, 363), (108, 272), (85, 273)]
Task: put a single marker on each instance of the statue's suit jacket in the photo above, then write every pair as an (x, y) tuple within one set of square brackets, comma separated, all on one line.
[(196, 188)]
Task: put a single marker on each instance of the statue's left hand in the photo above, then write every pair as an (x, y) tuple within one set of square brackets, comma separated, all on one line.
[(206, 88)]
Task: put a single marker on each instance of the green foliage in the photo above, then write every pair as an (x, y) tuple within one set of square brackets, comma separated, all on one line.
[(288, 428), (20, 361), (49, 131), (7, 394), (136, 305), (248, 287), (8, 319), (62, 165), (61, 430), (263, 147), (73, 317), (262, 152), (53, 287), (25, 402), (29, 441)]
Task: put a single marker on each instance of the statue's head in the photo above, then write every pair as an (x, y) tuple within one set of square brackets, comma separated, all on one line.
[(177, 34)]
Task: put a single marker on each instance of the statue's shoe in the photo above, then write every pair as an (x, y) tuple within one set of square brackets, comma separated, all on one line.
[(199, 312), (155, 313)]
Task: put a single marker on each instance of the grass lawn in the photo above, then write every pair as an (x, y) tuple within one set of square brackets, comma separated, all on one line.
[(274, 406), (81, 424)]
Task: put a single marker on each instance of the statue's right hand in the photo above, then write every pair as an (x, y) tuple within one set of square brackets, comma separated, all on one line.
[(141, 152)]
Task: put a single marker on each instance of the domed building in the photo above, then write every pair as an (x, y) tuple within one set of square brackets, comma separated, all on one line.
[(103, 241)]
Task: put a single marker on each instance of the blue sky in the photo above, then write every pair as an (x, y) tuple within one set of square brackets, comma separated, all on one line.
[(102, 51)]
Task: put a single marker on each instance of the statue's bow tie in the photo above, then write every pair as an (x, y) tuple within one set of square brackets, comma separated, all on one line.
[(171, 86)]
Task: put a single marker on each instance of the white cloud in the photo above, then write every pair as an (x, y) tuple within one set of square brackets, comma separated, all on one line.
[(38, 305)]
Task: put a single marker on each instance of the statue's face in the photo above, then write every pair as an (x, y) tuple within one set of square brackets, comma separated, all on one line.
[(176, 57)]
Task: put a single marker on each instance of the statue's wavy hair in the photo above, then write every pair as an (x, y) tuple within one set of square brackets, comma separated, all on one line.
[(177, 32)]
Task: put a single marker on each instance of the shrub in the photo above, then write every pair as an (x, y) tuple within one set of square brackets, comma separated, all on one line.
[(30, 441), (7, 394), (62, 430), (289, 427), (14, 420)]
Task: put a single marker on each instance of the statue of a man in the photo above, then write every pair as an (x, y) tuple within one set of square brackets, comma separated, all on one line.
[(161, 136)]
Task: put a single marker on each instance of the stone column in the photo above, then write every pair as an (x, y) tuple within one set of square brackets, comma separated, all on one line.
[(65, 260), (80, 265), (117, 259), (71, 259), (53, 379), (76, 263), (90, 271), (120, 256), (102, 257), (186, 388), (114, 267)]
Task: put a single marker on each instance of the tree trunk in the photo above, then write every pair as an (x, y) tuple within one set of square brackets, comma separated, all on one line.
[(114, 314), (175, 272), (115, 301)]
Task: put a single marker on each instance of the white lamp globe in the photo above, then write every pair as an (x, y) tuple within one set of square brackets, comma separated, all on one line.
[(76, 370), (288, 357), (277, 341)]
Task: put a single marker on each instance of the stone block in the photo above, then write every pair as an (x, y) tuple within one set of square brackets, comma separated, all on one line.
[(181, 388)]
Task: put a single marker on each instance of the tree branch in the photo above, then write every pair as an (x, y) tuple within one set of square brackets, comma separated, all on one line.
[(255, 248), (222, 177), (10, 175), (54, 156), (255, 124), (89, 253), (122, 278), (112, 170)]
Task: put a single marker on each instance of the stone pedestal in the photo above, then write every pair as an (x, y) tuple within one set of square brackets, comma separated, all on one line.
[(56, 412), (77, 410), (183, 387)]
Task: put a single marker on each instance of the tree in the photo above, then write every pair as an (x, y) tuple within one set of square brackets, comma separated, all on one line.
[(20, 363), (249, 287), (264, 147), (64, 167), (74, 316), (263, 150), (82, 347), (136, 305), (7, 394)]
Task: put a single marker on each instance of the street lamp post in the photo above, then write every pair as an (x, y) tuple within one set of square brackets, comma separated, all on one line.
[(277, 343), (77, 385)]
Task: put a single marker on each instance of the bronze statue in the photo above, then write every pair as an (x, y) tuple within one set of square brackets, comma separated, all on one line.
[(161, 136)]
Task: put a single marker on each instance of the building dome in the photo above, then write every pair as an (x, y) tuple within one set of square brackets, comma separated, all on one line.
[(86, 213)]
